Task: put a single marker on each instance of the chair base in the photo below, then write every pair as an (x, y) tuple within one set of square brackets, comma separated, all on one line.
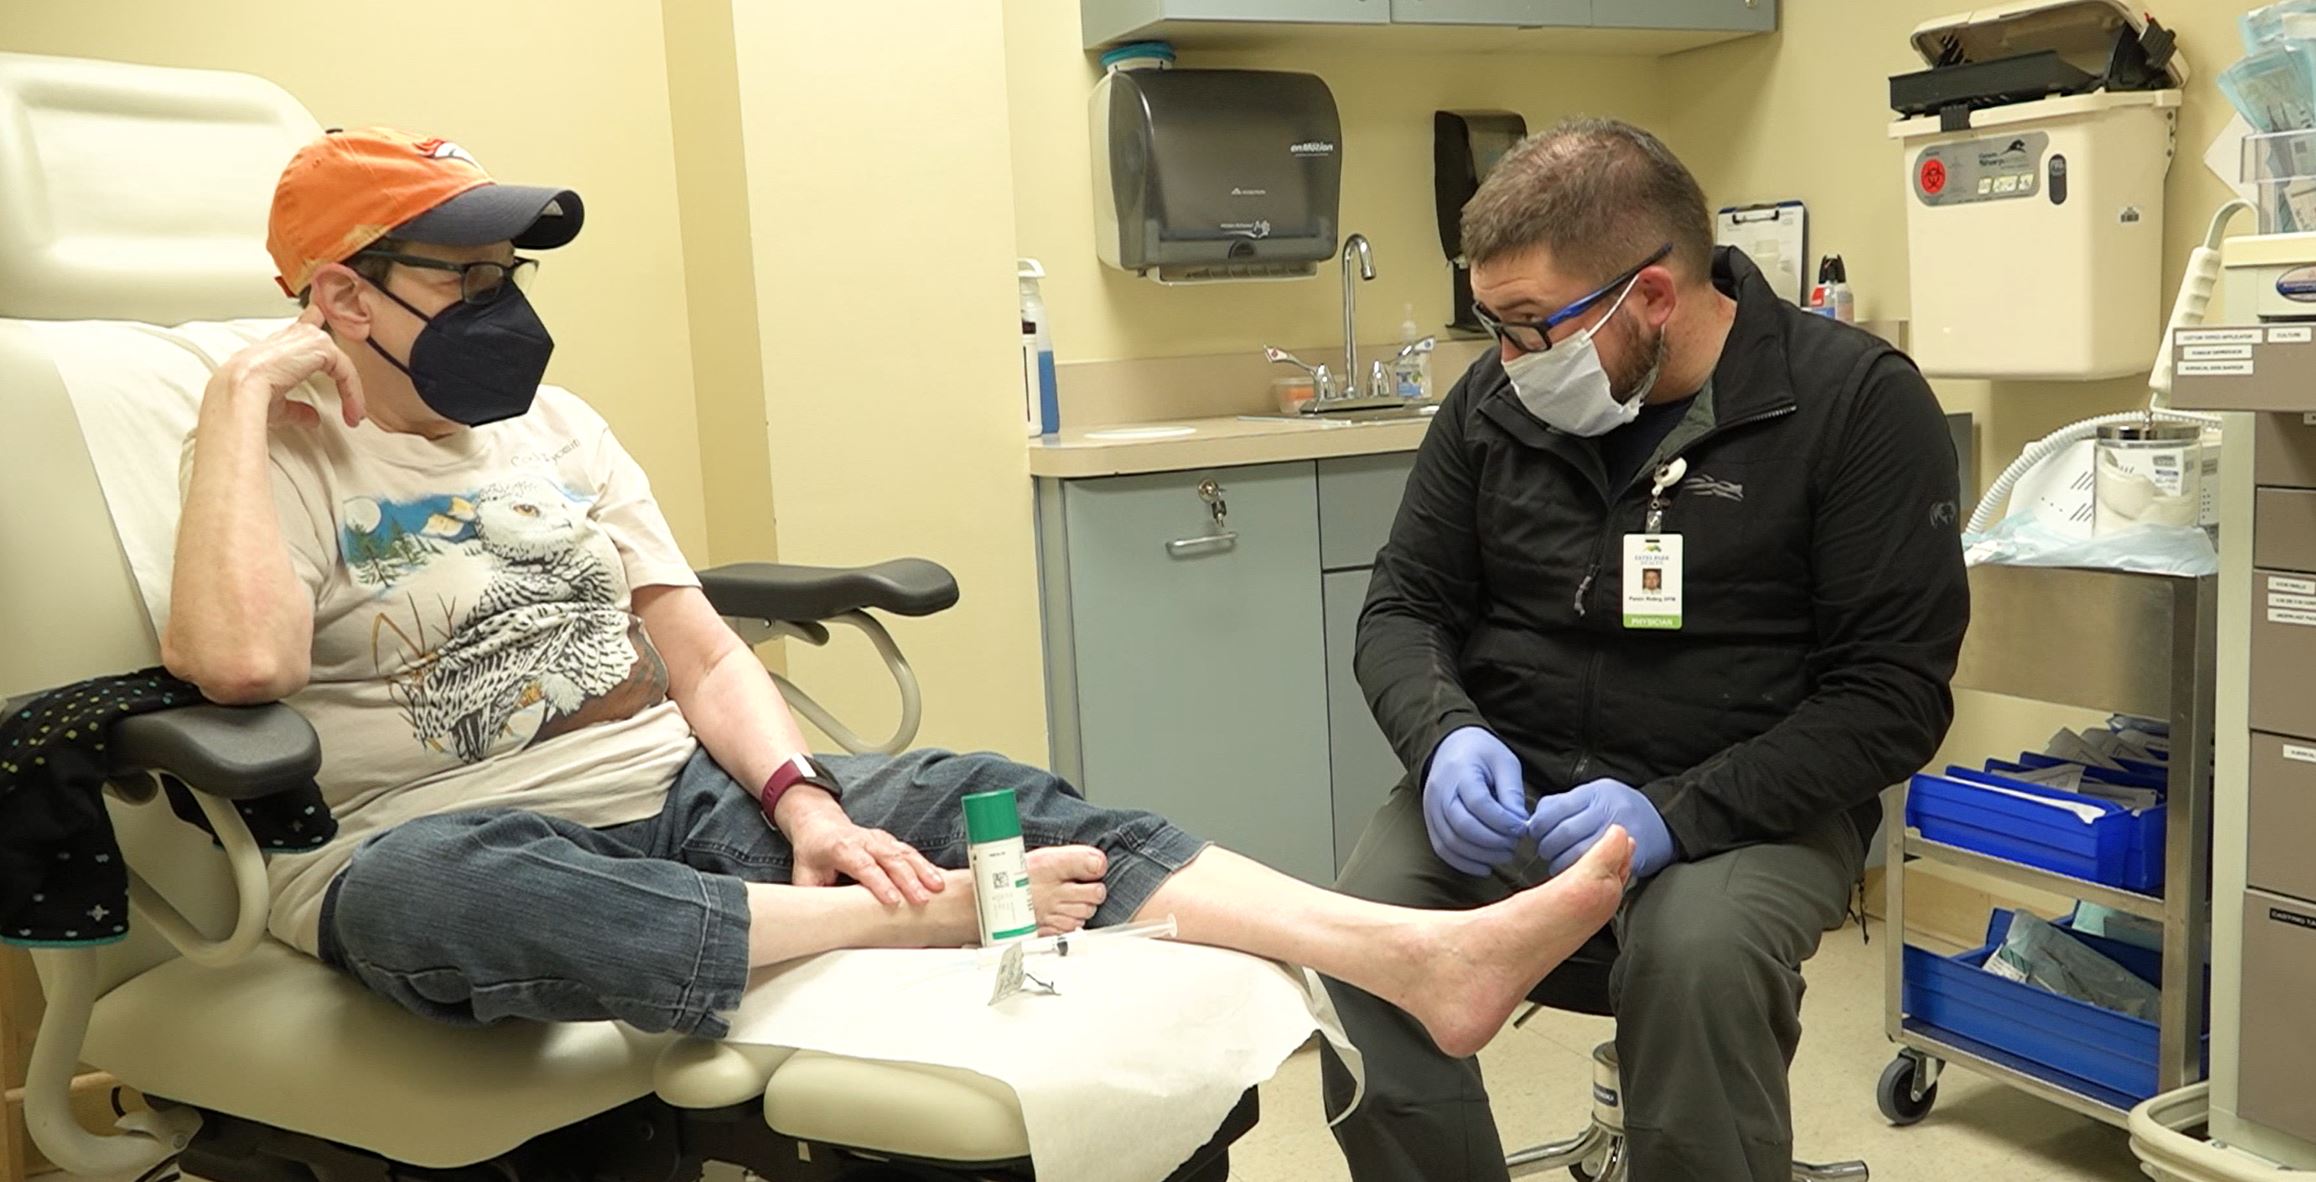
[(1598, 1153), (646, 1140)]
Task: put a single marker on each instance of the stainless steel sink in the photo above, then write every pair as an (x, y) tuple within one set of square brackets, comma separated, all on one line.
[(1350, 415)]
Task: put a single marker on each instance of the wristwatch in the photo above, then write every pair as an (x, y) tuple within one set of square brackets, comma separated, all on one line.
[(798, 769)]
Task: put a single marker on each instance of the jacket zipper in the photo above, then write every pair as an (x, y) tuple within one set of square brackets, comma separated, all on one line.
[(1586, 685)]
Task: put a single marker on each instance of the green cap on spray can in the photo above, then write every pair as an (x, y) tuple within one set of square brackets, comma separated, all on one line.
[(991, 816)]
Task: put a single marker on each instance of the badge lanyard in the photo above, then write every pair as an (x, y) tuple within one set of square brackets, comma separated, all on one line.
[(1652, 559)]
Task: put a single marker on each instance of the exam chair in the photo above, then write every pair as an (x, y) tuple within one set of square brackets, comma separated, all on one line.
[(1597, 1154), (260, 1064)]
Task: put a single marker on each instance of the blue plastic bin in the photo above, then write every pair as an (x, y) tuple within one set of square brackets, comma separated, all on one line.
[(2094, 1051), (2114, 846)]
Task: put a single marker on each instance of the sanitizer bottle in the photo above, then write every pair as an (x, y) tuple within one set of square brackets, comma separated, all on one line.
[(1040, 388), (1411, 370), (1000, 867)]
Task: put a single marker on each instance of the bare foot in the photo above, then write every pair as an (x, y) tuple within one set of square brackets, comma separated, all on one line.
[(1471, 968), (1065, 886)]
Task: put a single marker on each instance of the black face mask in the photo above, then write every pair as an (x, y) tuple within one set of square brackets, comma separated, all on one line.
[(477, 363)]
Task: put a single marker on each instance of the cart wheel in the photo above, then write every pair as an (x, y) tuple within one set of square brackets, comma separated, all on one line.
[(1895, 1093)]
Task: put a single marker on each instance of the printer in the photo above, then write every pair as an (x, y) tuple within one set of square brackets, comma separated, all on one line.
[(1205, 175)]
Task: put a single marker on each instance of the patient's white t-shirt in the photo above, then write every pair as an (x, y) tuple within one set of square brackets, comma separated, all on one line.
[(474, 645)]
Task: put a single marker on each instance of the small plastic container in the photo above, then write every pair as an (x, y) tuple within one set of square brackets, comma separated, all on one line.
[(1293, 393), (2035, 825), (2093, 1051)]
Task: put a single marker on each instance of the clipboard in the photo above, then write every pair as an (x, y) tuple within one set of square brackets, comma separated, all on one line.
[(1776, 237)]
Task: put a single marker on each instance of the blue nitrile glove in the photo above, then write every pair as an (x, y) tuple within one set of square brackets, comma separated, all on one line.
[(1474, 803), (1567, 825)]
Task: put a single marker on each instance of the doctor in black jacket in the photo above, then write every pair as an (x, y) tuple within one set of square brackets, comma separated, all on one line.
[(1682, 557)]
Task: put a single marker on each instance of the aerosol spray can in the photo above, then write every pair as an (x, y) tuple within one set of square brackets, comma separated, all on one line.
[(1000, 865)]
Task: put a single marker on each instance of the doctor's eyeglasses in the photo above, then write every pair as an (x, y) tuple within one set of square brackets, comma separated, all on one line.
[(1536, 336)]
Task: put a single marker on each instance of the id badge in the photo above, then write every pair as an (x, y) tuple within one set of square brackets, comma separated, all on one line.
[(1652, 581)]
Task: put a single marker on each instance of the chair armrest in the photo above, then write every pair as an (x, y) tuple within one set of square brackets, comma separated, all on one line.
[(239, 753), (782, 592)]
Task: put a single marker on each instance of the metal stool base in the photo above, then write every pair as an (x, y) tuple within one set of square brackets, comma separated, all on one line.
[(1599, 1151)]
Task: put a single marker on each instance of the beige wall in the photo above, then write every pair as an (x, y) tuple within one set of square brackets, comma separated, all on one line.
[(734, 462), (1804, 114), (880, 192), (831, 329), (1386, 99), (538, 97)]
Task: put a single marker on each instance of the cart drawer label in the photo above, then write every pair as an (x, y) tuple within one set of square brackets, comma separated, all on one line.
[(2277, 583), (2218, 336), (2285, 615), (2292, 917), (2214, 369), (2300, 753)]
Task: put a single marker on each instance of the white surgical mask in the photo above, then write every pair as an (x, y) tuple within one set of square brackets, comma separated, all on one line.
[(1568, 389)]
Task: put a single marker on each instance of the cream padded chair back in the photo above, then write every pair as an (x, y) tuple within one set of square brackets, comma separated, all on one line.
[(129, 193), (137, 194)]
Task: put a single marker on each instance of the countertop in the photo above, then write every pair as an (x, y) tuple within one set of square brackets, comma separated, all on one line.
[(1183, 444)]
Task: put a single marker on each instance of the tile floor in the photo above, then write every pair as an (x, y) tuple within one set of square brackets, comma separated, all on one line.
[(1540, 1076)]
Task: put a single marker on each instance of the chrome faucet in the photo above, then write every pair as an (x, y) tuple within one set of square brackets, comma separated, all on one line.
[(1354, 246), (1322, 382)]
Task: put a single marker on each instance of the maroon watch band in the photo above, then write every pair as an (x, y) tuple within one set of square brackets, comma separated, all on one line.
[(799, 769)]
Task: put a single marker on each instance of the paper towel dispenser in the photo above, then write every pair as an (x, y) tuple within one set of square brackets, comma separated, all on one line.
[(1465, 146), (1204, 175)]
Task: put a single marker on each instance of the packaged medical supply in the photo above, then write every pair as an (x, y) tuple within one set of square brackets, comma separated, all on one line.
[(2091, 919), (2275, 89), (2271, 23), (2038, 954), (2023, 540)]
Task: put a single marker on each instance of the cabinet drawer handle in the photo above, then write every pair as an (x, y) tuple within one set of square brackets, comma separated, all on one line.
[(1214, 543)]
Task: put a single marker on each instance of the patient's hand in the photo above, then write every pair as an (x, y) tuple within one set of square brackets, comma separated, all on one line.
[(280, 363), (829, 846)]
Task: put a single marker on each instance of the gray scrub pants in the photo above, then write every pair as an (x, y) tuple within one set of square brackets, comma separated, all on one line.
[(1706, 988)]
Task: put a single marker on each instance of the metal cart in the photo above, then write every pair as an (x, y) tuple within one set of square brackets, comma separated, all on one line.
[(2103, 640)]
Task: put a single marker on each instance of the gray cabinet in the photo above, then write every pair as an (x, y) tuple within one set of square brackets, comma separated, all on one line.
[(1743, 16), (1683, 24), (1109, 22), (1187, 656), (1202, 668), (1358, 498), (1361, 764), (1517, 13)]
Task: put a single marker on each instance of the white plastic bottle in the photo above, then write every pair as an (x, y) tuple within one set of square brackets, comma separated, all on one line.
[(1040, 388), (1411, 371), (1000, 865)]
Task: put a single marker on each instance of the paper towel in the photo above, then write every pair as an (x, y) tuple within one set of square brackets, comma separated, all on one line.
[(1152, 1037)]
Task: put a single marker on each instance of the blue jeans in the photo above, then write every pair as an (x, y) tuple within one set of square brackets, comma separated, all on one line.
[(475, 917)]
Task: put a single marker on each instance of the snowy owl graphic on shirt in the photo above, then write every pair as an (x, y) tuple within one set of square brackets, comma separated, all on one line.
[(501, 623)]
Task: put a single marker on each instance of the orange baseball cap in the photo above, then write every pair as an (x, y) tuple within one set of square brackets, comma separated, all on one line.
[(348, 189)]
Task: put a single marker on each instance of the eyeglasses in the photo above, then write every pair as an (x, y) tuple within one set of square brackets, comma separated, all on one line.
[(1536, 336), (478, 283)]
